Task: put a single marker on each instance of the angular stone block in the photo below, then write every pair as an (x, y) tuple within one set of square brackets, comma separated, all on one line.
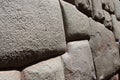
[(51, 69), (116, 27), (117, 9), (76, 24), (105, 51), (108, 20), (30, 31), (108, 5), (10, 75), (78, 61), (85, 6), (97, 10)]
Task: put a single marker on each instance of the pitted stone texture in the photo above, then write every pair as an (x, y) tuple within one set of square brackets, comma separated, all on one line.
[(116, 27), (52, 69), (105, 51), (30, 30), (115, 77), (84, 6), (76, 24), (107, 20), (108, 5), (117, 8), (97, 10), (78, 61), (10, 75)]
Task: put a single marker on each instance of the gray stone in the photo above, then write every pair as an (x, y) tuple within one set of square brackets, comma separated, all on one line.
[(105, 51), (108, 5), (108, 20), (76, 24), (97, 10), (84, 6), (30, 31), (117, 8), (78, 61), (116, 27), (52, 69), (10, 75)]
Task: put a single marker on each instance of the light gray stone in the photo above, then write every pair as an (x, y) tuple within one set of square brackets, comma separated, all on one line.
[(105, 51), (76, 24), (84, 6), (108, 20), (10, 75), (30, 31), (97, 10), (52, 69), (116, 27), (117, 9), (108, 5), (78, 61)]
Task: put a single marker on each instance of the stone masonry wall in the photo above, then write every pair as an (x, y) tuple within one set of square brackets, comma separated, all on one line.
[(59, 39)]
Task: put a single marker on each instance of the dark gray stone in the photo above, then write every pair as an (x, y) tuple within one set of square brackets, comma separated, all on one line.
[(30, 31), (105, 51), (76, 24), (84, 6), (78, 61)]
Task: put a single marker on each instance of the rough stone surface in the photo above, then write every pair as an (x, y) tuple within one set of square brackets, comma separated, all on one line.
[(108, 5), (30, 30), (107, 20), (115, 77), (78, 61), (84, 6), (97, 10), (10, 75), (117, 8), (116, 27), (76, 24), (105, 51), (52, 69)]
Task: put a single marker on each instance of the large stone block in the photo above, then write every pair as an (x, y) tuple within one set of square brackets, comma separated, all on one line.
[(116, 27), (76, 24), (108, 20), (30, 31), (85, 6), (10, 75), (78, 61), (97, 10), (105, 51), (108, 5), (117, 9), (52, 69)]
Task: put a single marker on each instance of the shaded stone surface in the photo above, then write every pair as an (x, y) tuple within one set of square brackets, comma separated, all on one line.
[(10, 75), (78, 61), (97, 10), (76, 24), (116, 27), (30, 30), (108, 20), (117, 9), (51, 69), (108, 5), (105, 51), (85, 6)]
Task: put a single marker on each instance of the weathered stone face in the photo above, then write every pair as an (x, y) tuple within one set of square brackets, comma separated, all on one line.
[(30, 30), (10, 75), (105, 51), (76, 23), (78, 61), (52, 69)]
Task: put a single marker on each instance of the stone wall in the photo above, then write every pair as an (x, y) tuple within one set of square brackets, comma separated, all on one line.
[(59, 40)]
